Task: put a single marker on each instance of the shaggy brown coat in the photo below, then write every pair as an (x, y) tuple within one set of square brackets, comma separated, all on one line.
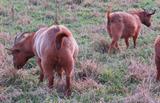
[(54, 48), (126, 25)]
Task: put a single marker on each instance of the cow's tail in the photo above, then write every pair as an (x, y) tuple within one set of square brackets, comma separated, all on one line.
[(64, 32), (108, 14)]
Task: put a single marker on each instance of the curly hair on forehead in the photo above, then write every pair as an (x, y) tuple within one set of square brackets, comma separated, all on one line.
[(20, 37)]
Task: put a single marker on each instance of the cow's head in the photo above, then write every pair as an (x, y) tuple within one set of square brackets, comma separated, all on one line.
[(22, 49), (146, 17)]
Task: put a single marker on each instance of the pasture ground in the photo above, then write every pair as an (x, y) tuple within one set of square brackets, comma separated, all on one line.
[(125, 77)]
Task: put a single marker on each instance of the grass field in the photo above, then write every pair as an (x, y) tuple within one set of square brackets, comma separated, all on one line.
[(128, 76)]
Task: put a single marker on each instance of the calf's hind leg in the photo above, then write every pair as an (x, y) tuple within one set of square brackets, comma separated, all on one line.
[(126, 41), (112, 45), (48, 71), (68, 71), (117, 46), (135, 38), (134, 41)]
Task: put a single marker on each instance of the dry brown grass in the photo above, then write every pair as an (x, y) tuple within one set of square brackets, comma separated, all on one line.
[(81, 2), (101, 46), (88, 69), (158, 3), (140, 71), (6, 71), (24, 20), (87, 76), (87, 3), (145, 74), (45, 4), (34, 2), (77, 1), (96, 14), (84, 85), (142, 94), (3, 12), (123, 2), (49, 15), (5, 36), (6, 68), (2, 54)]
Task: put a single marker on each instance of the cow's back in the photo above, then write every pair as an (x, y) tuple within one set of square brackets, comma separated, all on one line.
[(125, 20)]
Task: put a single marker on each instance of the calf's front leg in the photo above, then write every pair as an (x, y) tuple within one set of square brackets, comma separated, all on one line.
[(41, 77)]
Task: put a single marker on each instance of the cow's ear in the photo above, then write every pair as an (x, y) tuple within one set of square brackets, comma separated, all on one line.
[(15, 50), (9, 50), (12, 51), (153, 12)]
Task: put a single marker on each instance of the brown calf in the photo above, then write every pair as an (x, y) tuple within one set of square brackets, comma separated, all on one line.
[(126, 25), (54, 48)]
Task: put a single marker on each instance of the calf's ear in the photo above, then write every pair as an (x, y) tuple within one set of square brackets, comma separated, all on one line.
[(153, 12), (9, 51), (144, 10), (12, 50)]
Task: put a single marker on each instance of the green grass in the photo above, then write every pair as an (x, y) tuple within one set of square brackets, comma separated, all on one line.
[(113, 82)]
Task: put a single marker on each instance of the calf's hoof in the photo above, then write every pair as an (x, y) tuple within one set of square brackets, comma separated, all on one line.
[(50, 86), (68, 93)]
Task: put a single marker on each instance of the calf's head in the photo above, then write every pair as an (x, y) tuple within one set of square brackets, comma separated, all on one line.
[(145, 17), (22, 49)]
